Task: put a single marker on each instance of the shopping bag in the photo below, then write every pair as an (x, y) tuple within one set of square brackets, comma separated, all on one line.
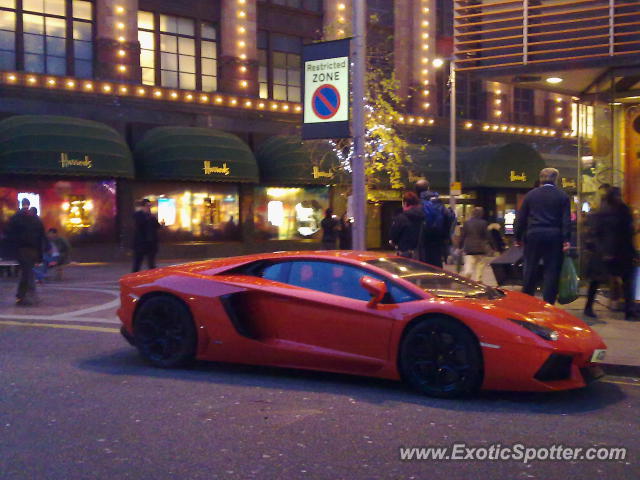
[(568, 288)]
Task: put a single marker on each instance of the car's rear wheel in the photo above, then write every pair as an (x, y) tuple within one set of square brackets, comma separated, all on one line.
[(440, 357), (164, 332)]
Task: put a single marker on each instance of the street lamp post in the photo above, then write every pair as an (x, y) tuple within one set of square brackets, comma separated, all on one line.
[(357, 166), (452, 132)]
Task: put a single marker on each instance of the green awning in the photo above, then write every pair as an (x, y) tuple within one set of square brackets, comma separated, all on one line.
[(55, 145), (514, 165), (193, 153), (430, 162), (285, 160)]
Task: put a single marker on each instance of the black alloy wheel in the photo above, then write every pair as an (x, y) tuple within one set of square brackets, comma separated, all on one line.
[(441, 358), (164, 332)]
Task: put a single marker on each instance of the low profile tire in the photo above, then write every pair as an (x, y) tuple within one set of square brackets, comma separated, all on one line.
[(441, 358), (164, 332)]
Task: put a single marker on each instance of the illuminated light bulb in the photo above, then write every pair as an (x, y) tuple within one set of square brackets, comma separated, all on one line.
[(12, 78), (121, 53), (425, 23), (274, 106), (244, 83), (468, 125), (401, 119), (71, 84), (559, 120), (545, 132), (121, 39), (558, 100), (242, 44), (141, 91), (120, 26), (218, 99), (122, 68), (243, 56), (425, 10), (243, 69), (120, 9), (341, 6), (498, 92), (424, 60), (411, 119), (298, 108), (174, 95), (31, 79), (494, 127), (51, 82), (247, 103), (431, 121), (536, 131), (340, 19), (421, 120), (529, 130), (233, 101), (242, 30), (503, 128), (552, 132), (285, 107), (106, 88), (88, 86), (426, 105), (498, 113), (520, 130), (242, 2), (425, 35), (189, 97), (485, 127), (157, 93), (124, 89), (242, 13), (204, 98), (425, 46), (261, 105), (425, 93), (340, 32), (498, 102), (512, 129)]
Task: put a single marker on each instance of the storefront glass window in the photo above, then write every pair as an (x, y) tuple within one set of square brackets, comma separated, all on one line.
[(194, 211), (80, 210), (290, 213)]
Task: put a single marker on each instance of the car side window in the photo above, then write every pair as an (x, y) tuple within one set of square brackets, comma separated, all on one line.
[(340, 279), (275, 272)]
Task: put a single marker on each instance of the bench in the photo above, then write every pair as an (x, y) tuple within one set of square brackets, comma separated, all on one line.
[(9, 268)]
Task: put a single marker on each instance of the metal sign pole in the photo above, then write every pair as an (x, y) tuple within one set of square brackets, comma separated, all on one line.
[(452, 133), (357, 167)]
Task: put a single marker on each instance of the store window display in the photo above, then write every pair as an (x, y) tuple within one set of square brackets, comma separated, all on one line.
[(194, 211), (289, 213)]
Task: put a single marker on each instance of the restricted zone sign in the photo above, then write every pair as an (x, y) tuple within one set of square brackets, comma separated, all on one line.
[(326, 90)]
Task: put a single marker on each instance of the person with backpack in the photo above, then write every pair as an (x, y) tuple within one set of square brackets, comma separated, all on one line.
[(405, 230), (436, 228)]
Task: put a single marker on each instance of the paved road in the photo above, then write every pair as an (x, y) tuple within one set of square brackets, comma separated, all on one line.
[(76, 402)]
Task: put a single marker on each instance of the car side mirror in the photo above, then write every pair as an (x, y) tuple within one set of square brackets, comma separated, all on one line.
[(377, 289)]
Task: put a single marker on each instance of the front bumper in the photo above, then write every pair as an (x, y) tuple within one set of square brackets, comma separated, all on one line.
[(128, 337)]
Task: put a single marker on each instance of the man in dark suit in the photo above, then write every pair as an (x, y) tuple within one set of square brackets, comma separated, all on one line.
[(145, 236), (544, 226)]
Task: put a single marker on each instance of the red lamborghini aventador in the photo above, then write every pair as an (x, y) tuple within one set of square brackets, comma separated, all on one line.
[(359, 313)]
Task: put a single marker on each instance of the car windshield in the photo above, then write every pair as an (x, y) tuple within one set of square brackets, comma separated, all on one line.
[(432, 280)]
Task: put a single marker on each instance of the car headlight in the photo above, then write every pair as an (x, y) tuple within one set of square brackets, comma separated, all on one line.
[(541, 331)]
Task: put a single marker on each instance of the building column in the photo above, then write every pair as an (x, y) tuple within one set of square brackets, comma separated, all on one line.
[(414, 52), (238, 68), (337, 19), (117, 47)]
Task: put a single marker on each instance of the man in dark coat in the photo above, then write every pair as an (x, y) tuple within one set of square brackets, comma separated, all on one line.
[(543, 224), (612, 252), (405, 230), (26, 238), (329, 225), (474, 241), (145, 236)]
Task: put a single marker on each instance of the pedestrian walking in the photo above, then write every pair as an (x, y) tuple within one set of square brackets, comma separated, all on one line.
[(406, 226), (330, 226), (344, 236), (495, 238), (543, 226), (611, 250), (145, 236), (25, 236), (475, 244), (436, 229)]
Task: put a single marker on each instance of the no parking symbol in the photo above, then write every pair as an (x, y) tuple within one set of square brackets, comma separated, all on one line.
[(326, 101)]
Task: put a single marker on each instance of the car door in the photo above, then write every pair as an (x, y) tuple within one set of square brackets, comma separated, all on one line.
[(322, 320)]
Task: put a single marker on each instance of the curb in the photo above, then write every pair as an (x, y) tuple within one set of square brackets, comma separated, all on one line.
[(621, 370)]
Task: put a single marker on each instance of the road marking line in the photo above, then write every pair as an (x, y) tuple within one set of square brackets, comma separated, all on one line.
[(53, 325), (622, 383), (60, 318), (112, 304)]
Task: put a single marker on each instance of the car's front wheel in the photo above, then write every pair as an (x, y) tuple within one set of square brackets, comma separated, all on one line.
[(164, 333), (440, 357)]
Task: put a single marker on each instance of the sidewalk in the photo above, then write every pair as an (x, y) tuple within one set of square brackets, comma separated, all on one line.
[(89, 293)]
